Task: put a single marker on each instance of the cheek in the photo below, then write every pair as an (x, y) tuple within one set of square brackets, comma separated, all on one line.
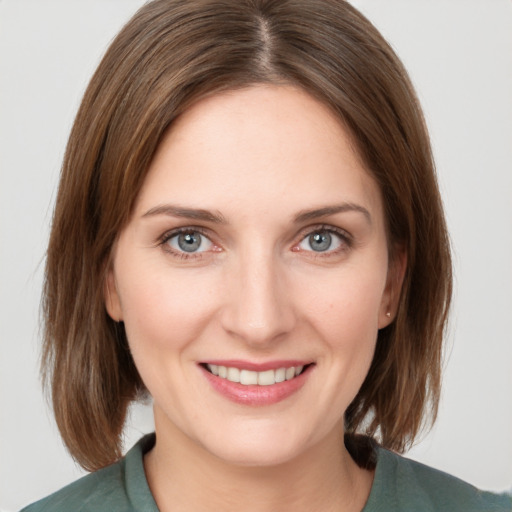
[(346, 303), (163, 309), (344, 312)]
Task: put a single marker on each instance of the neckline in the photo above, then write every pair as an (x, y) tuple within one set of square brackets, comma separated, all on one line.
[(139, 493)]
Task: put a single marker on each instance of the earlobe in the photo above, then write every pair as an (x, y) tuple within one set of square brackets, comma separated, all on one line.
[(392, 292), (112, 302)]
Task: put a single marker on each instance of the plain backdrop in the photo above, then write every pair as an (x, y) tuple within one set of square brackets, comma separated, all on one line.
[(459, 54)]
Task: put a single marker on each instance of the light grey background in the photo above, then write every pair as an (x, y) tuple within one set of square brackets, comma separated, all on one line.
[(459, 54)]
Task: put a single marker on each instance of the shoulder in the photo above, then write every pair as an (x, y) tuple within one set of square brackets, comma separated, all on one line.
[(97, 491), (410, 485), (121, 487)]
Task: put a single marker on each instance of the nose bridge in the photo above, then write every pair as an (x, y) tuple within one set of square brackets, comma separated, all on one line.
[(259, 309)]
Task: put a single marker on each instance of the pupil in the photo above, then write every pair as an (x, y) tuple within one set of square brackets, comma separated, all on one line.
[(189, 242), (320, 241)]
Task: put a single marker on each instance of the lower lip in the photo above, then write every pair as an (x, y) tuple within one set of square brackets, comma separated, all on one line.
[(257, 395)]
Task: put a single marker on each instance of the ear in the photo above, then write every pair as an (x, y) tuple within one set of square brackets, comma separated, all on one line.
[(391, 296), (111, 296)]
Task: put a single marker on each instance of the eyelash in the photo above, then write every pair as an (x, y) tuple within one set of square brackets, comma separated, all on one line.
[(344, 236)]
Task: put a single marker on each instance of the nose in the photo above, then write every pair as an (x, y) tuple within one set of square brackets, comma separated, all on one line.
[(259, 308)]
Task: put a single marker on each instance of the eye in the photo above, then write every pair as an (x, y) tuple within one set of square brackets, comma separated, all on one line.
[(322, 240), (189, 242)]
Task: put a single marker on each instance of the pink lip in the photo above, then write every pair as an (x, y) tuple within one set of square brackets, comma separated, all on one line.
[(257, 395)]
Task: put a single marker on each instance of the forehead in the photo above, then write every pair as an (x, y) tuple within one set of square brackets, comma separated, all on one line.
[(258, 147)]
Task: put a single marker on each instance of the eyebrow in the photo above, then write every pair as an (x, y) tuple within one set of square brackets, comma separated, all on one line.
[(186, 213), (218, 218), (307, 215)]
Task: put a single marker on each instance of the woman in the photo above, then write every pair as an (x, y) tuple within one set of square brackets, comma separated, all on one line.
[(240, 232)]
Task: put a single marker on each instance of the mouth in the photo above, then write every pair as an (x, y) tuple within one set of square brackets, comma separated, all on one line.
[(252, 384), (247, 377)]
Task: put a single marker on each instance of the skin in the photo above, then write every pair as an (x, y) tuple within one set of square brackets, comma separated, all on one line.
[(257, 291)]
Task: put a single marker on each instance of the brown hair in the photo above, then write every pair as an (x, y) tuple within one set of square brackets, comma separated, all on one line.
[(171, 54)]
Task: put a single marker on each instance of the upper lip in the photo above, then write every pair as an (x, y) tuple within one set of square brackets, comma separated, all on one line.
[(258, 366)]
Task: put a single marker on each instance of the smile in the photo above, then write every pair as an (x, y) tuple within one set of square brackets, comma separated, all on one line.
[(257, 384), (251, 378)]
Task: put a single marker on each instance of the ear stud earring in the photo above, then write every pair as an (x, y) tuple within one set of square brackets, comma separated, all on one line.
[(388, 314)]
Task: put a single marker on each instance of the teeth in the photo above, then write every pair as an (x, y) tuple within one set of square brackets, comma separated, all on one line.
[(248, 377), (280, 375), (290, 373), (267, 378), (233, 374)]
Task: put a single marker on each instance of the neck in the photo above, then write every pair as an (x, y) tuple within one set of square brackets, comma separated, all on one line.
[(183, 476)]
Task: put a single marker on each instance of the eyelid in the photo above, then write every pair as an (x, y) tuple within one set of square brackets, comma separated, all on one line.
[(325, 227), (164, 237)]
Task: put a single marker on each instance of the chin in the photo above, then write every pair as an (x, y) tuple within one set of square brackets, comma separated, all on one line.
[(253, 455), (258, 447)]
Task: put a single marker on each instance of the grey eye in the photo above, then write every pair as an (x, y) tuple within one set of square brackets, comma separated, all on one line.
[(320, 241), (191, 241)]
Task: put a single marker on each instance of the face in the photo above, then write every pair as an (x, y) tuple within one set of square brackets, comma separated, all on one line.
[(253, 276)]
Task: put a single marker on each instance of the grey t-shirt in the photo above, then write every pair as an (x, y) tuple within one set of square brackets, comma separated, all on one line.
[(400, 485)]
